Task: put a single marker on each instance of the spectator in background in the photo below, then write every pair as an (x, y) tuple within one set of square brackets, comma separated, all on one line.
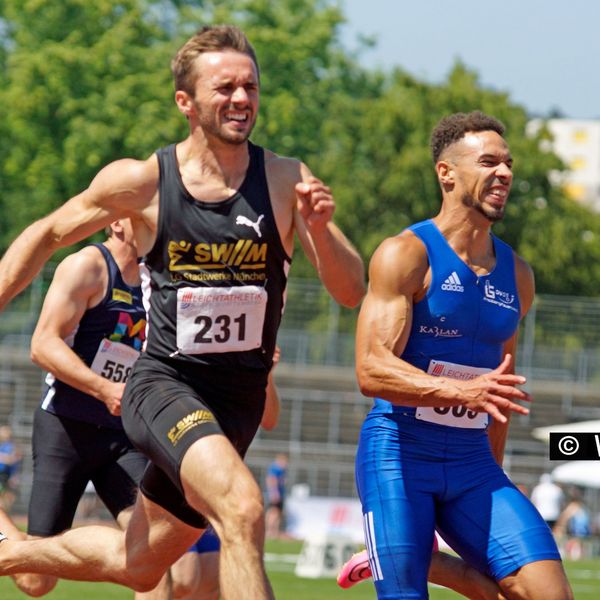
[(548, 498), (573, 525), (275, 484), (10, 459)]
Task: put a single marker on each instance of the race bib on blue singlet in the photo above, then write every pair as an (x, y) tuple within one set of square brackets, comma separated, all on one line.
[(453, 416), (114, 360)]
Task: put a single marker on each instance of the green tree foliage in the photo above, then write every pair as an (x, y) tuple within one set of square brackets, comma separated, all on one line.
[(381, 168), (84, 83)]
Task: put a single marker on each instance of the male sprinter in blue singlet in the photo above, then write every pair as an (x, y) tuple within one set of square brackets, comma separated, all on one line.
[(436, 339), (215, 217)]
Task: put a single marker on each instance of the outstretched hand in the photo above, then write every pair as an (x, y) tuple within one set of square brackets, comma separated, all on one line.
[(496, 391), (315, 203)]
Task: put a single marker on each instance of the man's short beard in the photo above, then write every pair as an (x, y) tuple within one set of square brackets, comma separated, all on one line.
[(493, 216)]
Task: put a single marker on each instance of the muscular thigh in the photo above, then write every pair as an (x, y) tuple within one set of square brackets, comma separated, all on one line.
[(490, 523), (165, 413), (155, 536), (397, 491)]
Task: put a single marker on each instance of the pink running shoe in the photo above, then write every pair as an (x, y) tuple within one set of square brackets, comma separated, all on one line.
[(357, 569)]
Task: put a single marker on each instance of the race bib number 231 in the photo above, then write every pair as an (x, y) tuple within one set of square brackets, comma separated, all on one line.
[(223, 319)]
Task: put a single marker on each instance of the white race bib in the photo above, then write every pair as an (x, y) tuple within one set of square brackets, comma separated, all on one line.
[(114, 360), (453, 416), (223, 319)]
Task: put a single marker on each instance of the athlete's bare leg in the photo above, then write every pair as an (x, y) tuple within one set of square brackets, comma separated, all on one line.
[(29, 583), (185, 575), (218, 484), (196, 576), (136, 558), (163, 590), (36, 585), (540, 580), (445, 569), (454, 573)]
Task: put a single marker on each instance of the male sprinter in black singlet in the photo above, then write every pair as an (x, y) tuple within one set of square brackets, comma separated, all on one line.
[(89, 334), (215, 217)]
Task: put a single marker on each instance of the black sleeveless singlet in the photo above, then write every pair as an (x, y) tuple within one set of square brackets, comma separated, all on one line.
[(217, 271)]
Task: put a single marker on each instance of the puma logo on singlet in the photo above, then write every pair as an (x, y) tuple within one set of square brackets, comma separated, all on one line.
[(242, 220)]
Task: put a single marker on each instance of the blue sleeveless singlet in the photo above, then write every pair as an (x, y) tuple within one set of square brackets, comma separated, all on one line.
[(415, 475)]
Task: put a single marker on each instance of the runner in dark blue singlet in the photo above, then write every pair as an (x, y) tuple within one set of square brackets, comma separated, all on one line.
[(89, 334), (435, 347)]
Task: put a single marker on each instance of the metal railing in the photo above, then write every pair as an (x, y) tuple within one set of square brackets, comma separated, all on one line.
[(558, 351)]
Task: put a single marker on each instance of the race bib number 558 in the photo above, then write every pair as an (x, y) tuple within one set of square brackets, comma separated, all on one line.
[(453, 416), (114, 360), (224, 319)]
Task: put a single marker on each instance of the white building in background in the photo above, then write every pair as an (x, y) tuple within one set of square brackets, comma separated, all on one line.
[(577, 143)]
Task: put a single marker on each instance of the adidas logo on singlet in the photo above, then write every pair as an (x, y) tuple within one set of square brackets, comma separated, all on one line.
[(453, 283)]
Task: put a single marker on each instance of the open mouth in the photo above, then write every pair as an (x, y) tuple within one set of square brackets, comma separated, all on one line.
[(498, 194), (237, 117)]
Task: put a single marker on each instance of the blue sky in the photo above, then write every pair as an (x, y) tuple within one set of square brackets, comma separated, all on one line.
[(544, 53)]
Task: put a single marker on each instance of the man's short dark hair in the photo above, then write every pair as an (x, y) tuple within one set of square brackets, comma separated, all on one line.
[(453, 128)]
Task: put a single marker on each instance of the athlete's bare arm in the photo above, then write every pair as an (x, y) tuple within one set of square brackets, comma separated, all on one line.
[(79, 283), (497, 431), (399, 275), (125, 188), (270, 416), (303, 203)]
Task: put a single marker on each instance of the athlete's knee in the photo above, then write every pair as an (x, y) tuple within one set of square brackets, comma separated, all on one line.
[(181, 588), (243, 517), (518, 591), (247, 521), (544, 586), (253, 508), (142, 577), (185, 575), (135, 567), (35, 585)]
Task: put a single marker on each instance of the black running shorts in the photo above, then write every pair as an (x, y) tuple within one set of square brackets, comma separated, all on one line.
[(167, 407), (66, 455)]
